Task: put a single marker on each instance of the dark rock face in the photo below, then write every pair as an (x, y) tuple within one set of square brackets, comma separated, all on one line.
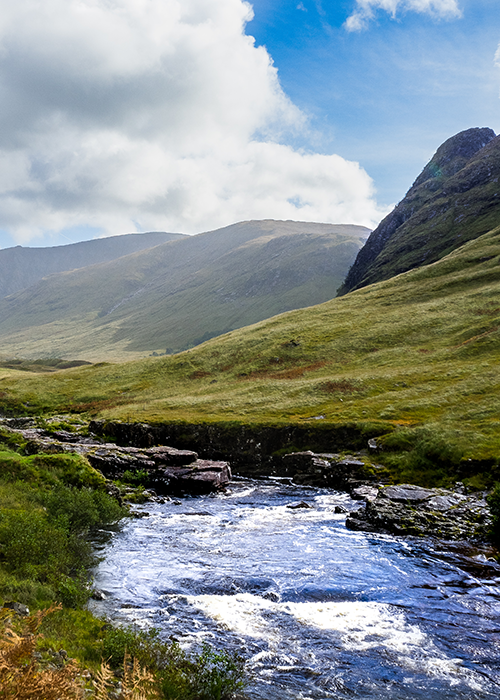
[(455, 189), (250, 449), (345, 474), (412, 510)]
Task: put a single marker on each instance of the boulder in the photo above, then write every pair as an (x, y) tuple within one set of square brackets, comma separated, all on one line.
[(201, 477), (330, 470)]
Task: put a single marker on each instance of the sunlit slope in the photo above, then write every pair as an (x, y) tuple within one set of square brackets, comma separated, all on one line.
[(423, 347), (179, 293)]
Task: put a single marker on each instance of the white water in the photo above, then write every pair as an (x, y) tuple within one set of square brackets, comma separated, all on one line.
[(317, 611)]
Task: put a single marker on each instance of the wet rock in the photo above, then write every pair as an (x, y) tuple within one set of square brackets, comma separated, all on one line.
[(98, 594), (300, 504), (202, 477), (340, 509), (330, 470), (19, 608), (364, 493), (412, 510), (407, 493)]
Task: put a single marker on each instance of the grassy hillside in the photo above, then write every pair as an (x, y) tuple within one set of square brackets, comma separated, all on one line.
[(420, 349), (179, 293), (21, 267), (455, 199)]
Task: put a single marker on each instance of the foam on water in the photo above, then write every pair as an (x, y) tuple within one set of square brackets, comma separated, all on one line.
[(360, 626)]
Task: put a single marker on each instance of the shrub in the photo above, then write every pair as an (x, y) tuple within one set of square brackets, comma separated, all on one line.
[(136, 478), (210, 675), (80, 510), (423, 456), (31, 547)]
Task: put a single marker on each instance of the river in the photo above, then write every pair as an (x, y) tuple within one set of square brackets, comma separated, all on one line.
[(317, 610)]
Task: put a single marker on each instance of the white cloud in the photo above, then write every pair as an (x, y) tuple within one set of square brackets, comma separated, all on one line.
[(158, 114), (365, 10)]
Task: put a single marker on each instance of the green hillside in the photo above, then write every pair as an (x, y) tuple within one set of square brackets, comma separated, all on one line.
[(455, 199), (179, 293), (420, 349)]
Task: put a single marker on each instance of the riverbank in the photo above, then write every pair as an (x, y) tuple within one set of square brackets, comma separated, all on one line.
[(56, 514)]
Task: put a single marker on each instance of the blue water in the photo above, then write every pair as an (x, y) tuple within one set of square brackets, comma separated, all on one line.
[(317, 611)]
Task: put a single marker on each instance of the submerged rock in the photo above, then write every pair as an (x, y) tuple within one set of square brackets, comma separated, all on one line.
[(412, 510)]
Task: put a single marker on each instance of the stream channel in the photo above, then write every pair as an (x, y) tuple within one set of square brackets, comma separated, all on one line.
[(318, 611)]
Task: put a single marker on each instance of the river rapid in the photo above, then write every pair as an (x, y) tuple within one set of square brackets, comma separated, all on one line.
[(317, 611)]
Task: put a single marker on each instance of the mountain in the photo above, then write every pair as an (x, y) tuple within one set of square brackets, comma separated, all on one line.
[(420, 349), (456, 198), (180, 292), (21, 267)]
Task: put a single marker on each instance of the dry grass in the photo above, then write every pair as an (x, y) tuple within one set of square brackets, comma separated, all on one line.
[(22, 676)]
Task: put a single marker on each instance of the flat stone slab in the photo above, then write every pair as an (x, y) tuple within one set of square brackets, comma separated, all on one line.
[(407, 493)]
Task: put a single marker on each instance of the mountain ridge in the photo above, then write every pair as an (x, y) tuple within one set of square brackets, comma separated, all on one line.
[(21, 267)]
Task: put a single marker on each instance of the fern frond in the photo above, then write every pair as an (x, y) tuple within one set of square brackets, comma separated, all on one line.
[(103, 682)]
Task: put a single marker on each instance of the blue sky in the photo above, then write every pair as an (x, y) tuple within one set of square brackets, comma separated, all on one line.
[(164, 114), (387, 96)]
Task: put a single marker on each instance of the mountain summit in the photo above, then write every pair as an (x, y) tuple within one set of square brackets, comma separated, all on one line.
[(454, 199)]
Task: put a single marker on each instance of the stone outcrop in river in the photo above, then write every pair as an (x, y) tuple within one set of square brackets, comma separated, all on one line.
[(170, 471), (412, 510)]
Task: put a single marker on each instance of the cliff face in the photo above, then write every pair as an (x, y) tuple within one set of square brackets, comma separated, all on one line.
[(454, 199)]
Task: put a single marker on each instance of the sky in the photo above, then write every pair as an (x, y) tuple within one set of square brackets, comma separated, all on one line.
[(120, 116)]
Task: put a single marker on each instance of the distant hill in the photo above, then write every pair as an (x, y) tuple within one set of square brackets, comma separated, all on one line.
[(21, 267), (179, 293), (456, 198)]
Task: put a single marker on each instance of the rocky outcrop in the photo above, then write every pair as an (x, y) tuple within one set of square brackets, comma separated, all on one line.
[(412, 510), (345, 473), (253, 450), (169, 471)]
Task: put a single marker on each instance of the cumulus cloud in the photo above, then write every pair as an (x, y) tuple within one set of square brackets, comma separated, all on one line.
[(153, 114), (365, 10)]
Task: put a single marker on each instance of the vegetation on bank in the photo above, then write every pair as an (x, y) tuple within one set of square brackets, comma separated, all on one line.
[(51, 507)]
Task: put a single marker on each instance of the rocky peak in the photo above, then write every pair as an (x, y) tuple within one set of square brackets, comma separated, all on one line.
[(454, 199), (454, 154)]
